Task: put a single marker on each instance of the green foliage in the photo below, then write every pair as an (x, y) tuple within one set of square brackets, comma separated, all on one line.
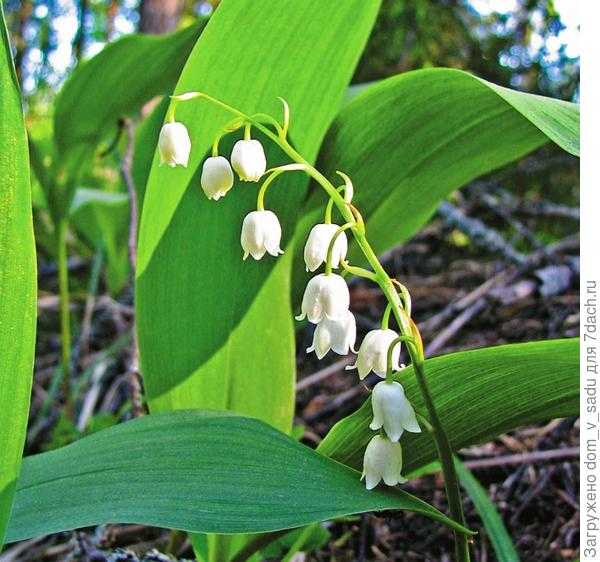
[(499, 537), (314, 537), (216, 332), (17, 281), (103, 220), (65, 431), (479, 394), (174, 470), (409, 141), (92, 100)]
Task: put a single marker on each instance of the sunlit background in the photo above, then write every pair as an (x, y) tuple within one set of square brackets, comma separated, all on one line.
[(530, 45)]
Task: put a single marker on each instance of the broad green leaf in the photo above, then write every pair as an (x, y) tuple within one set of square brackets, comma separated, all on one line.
[(17, 280), (196, 471), (214, 331), (409, 141), (116, 82), (103, 219), (498, 535), (479, 394)]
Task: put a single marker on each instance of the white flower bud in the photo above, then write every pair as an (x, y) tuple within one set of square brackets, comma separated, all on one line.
[(248, 159), (372, 355), (383, 460), (337, 335), (325, 296), (315, 251), (261, 233), (174, 145), (217, 177), (392, 410)]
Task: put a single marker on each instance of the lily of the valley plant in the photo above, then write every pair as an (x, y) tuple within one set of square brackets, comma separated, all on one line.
[(326, 300)]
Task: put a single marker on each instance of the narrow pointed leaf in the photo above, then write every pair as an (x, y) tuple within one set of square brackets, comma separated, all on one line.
[(17, 280), (479, 394), (195, 471), (408, 141), (503, 545)]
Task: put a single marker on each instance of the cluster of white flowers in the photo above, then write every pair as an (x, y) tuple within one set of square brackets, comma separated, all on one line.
[(326, 300)]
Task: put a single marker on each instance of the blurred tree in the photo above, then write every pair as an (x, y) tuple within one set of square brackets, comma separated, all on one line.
[(160, 16), (21, 17), (508, 48)]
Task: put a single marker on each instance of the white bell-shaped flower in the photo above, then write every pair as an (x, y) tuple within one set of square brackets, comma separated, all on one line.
[(315, 250), (217, 177), (325, 296), (392, 410), (382, 461), (372, 355), (174, 145), (261, 233), (337, 335), (248, 159)]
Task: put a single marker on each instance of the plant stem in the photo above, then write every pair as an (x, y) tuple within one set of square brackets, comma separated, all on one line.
[(257, 543), (338, 233), (461, 542), (65, 319)]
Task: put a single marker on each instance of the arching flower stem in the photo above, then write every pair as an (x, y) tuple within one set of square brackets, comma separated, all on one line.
[(389, 373), (358, 271), (274, 173), (385, 319), (329, 206), (407, 328), (328, 267)]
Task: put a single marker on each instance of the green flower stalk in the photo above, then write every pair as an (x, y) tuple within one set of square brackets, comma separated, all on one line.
[(326, 300)]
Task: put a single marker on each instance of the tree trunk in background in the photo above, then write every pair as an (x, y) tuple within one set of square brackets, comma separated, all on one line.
[(111, 12), (18, 36), (80, 37), (159, 16)]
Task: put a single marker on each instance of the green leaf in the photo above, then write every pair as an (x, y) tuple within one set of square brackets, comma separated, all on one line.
[(214, 331), (409, 141), (194, 471), (479, 394), (499, 537), (103, 219), (17, 280), (116, 82), (102, 90)]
